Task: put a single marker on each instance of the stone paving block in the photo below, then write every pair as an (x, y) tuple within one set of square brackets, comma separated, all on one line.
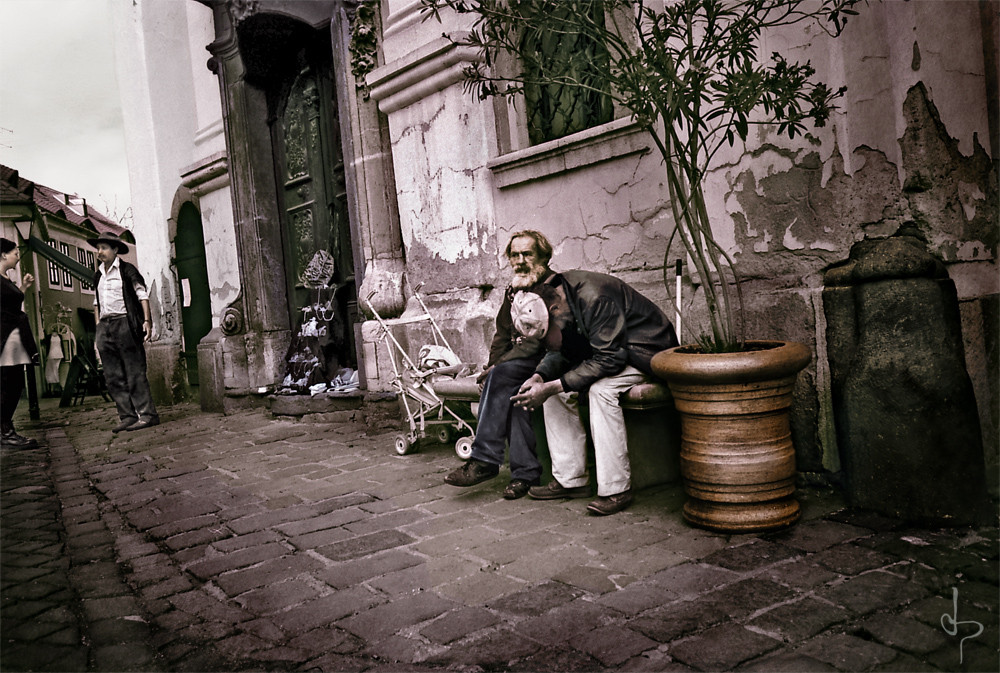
[(331, 520), (393, 520), (212, 567), (638, 597), (799, 620), (847, 652), (96, 609), (511, 548), (542, 566), (326, 610), (479, 588), (751, 556), (672, 621), (278, 596), (329, 639), (800, 574), (612, 645), (851, 559), (814, 536), (209, 608), (177, 526), (743, 598), (594, 580), (269, 572), (197, 538), (536, 600), (427, 575), (174, 584), (559, 625), (363, 545), (173, 508), (384, 620), (349, 573), (722, 648), (646, 561), (692, 579), (787, 662), (902, 633), (872, 591), (494, 650), (458, 624)]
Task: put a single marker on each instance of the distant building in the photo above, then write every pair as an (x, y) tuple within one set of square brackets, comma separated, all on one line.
[(53, 229)]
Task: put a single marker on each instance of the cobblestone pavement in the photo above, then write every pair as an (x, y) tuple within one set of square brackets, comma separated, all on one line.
[(254, 542)]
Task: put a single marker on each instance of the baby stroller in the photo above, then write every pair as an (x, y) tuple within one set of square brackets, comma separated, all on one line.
[(412, 380)]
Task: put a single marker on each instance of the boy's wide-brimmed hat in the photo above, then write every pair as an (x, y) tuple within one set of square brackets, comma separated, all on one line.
[(110, 239), (529, 315)]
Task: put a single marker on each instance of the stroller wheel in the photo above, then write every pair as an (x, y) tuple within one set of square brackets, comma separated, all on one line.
[(403, 444), (444, 434), (463, 447)]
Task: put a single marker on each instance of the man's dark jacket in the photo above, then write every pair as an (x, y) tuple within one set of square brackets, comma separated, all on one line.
[(12, 317), (621, 327), (133, 308)]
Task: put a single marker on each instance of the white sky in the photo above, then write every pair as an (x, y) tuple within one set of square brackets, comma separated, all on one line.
[(60, 113)]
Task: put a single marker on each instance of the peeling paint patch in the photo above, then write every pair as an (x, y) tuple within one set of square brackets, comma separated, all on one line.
[(968, 194), (789, 240)]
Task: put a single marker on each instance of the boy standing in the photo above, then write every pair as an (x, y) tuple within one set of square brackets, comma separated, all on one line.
[(124, 323)]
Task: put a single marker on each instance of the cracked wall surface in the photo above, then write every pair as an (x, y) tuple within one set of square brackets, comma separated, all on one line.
[(907, 146)]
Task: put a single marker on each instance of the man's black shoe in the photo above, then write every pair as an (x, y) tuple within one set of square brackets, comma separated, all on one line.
[(148, 423), (556, 491), (124, 425), (472, 473), (610, 504)]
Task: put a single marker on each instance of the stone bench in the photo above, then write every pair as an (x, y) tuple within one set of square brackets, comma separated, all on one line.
[(651, 424)]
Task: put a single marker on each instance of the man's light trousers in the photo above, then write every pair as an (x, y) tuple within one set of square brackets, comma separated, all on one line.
[(567, 438)]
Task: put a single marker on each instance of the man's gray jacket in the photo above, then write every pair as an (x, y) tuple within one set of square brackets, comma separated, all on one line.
[(620, 326)]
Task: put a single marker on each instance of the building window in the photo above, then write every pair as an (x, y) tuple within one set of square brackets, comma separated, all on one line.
[(54, 278), (553, 109), (86, 258), (67, 279)]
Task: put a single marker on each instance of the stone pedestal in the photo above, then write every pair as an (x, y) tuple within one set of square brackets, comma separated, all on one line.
[(906, 417)]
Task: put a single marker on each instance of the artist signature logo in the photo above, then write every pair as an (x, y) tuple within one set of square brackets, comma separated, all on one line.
[(950, 624)]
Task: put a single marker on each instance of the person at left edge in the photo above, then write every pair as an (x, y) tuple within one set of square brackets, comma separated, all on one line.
[(18, 345), (121, 307)]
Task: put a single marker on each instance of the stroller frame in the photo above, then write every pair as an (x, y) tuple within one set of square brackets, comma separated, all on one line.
[(424, 407)]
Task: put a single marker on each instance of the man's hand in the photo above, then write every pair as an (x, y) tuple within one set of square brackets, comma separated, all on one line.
[(147, 327), (533, 392)]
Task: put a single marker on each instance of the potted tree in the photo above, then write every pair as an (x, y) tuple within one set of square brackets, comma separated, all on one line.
[(692, 75)]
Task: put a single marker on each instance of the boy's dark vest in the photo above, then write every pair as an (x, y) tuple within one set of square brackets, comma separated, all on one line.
[(133, 309)]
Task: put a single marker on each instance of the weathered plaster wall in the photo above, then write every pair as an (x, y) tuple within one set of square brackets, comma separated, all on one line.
[(907, 146)]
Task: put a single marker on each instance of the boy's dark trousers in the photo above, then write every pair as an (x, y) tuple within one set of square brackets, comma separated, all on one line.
[(125, 369)]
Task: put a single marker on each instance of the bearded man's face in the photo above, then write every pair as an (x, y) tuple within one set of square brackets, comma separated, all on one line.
[(523, 258)]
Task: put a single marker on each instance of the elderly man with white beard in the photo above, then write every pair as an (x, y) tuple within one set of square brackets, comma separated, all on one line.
[(515, 352)]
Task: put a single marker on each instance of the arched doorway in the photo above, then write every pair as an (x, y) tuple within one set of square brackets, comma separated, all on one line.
[(291, 63), (192, 274)]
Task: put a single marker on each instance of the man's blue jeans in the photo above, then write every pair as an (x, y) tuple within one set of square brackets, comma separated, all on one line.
[(501, 422), (124, 363)]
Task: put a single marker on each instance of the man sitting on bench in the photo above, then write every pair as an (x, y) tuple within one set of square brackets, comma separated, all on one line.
[(514, 354), (601, 336)]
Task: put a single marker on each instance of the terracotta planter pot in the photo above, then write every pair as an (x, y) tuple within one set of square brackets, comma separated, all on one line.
[(737, 458)]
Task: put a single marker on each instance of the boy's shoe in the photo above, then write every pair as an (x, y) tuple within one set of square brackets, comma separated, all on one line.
[(472, 473), (556, 491), (517, 488), (124, 425), (610, 504), (141, 425)]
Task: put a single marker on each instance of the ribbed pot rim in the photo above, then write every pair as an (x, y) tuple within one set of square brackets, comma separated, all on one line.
[(780, 359)]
